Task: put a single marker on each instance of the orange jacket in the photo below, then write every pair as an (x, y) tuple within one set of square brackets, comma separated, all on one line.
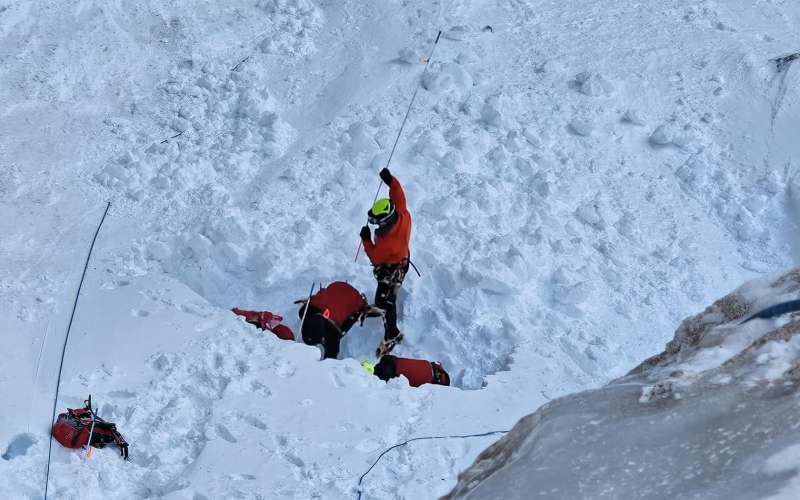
[(392, 247)]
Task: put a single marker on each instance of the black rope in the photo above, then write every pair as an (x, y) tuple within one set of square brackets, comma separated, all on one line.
[(173, 137), (415, 268), (387, 450), (784, 61), (64, 348)]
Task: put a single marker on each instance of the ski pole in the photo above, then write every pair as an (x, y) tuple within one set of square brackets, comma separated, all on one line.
[(88, 454), (400, 132), (308, 302)]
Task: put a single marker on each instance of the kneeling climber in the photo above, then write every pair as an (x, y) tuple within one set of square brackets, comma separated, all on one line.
[(389, 254), (332, 311), (417, 371)]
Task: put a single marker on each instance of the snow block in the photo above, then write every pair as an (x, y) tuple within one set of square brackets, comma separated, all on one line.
[(593, 84)]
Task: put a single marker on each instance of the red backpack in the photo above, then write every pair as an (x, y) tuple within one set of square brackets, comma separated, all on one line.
[(77, 428)]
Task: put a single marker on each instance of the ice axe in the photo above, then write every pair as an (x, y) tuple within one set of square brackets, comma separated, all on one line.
[(305, 311)]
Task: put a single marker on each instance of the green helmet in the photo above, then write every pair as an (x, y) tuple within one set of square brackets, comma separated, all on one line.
[(381, 211)]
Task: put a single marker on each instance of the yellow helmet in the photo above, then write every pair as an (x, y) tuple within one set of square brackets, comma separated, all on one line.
[(381, 211)]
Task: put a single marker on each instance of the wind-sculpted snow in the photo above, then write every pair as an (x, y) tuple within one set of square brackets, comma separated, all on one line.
[(581, 176), (534, 181), (713, 416)]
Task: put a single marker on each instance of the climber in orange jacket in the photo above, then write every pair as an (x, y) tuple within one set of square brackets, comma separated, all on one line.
[(389, 254)]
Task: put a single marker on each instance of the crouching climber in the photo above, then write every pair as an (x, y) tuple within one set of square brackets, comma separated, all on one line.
[(417, 371), (265, 320), (332, 311)]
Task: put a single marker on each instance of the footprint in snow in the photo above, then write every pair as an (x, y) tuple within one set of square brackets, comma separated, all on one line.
[(19, 446), (337, 380), (113, 284), (255, 422), (241, 477), (225, 434), (583, 128), (122, 393), (285, 370)]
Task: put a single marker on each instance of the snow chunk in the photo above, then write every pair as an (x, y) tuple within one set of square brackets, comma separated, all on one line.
[(633, 117), (293, 23), (494, 110), (662, 136), (532, 137), (593, 84), (442, 77), (569, 289), (359, 141), (669, 134), (458, 33), (159, 251), (694, 171), (589, 214), (661, 390), (410, 56), (581, 127)]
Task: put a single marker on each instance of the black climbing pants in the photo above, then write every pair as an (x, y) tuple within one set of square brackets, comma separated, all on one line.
[(319, 330), (390, 277)]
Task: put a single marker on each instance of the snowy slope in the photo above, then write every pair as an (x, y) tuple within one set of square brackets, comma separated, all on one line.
[(581, 178), (710, 417)]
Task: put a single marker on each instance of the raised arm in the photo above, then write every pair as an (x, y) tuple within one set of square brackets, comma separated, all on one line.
[(396, 193)]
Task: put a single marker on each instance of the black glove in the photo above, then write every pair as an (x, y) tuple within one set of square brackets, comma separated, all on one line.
[(386, 176), (366, 234)]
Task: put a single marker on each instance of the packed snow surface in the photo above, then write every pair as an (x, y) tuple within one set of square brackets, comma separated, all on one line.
[(713, 416), (582, 175)]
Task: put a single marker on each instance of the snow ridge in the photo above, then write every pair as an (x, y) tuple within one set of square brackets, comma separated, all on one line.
[(714, 393)]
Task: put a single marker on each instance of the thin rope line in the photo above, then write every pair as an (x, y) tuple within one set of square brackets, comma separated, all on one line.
[(413, 97), (64, 348), (387, 450), (402, 126)]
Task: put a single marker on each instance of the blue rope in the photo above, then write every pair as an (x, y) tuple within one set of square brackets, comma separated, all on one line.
[(387, 450), (776, 310), (64, 348)]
